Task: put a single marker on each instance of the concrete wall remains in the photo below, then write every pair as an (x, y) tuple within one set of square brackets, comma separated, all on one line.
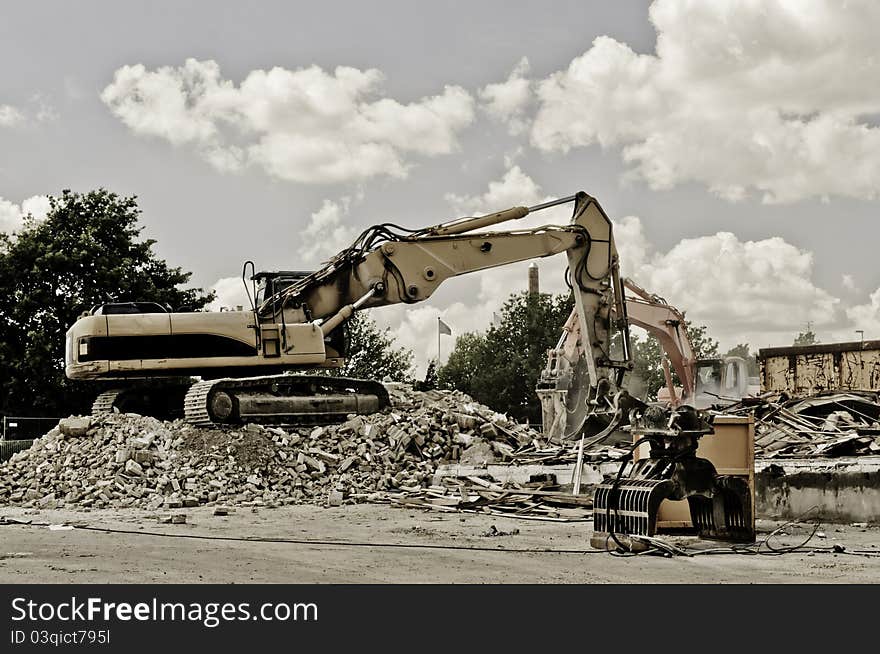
[(809, 369), (842, 490)]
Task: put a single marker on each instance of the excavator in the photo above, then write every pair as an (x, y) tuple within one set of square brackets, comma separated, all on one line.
[(704, 382), (296, 322), (247, 361)]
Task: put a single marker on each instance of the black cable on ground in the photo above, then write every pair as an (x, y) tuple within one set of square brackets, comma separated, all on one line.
[(332, 543), (668, 549)]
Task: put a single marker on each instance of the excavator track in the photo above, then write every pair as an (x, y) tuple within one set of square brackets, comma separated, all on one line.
[(283, 400), (104, 402), (161, 401)]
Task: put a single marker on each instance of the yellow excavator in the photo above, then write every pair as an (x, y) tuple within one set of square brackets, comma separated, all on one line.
[(296, 322)]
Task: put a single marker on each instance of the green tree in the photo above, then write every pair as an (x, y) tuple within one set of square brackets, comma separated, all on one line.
[(647, 376), (806, 338), (371, 353), (705, 347), (87, 251), (429, 383), (501, 368), (464, 363)]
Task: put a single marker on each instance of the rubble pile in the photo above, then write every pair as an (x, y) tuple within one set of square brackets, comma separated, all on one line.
[(828, 424), (121, 460)]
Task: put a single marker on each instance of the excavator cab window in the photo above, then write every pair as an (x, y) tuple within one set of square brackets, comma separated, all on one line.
[(116, 308), (709, 377), (270, 283)]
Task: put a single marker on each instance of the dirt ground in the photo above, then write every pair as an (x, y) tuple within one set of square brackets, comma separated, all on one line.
[(37, 554)]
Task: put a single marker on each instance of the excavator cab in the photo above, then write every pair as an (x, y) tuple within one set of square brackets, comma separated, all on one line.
[(269, 283), (708, 378), (721, 381)]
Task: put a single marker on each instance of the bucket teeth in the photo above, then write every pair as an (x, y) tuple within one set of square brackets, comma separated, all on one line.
[(629, 507)]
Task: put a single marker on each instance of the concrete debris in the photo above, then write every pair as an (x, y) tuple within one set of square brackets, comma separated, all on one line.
[(480, 453), (828, 424), (122, 460), (75, 427), (335, 498)]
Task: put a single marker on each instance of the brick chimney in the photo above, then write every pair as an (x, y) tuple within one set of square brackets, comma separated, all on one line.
[(534, 288)]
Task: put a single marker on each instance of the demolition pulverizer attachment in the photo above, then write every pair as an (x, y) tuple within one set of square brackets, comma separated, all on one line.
[(720, 505)]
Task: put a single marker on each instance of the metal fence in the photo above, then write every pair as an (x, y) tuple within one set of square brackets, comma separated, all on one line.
[(8, 448), (25, 427)]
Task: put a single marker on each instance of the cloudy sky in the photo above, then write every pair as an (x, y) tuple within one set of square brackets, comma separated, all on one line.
[(735, 144)]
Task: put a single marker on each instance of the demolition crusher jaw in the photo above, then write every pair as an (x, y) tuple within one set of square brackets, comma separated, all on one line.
[(626, 508)]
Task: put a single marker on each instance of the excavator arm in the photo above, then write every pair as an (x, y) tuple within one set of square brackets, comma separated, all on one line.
[(643, 309), (386, 266), (667, 324)]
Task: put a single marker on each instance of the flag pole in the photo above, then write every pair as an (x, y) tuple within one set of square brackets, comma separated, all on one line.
[(438, 341)]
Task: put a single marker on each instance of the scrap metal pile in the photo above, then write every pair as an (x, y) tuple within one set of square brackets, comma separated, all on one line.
[(828, 424)]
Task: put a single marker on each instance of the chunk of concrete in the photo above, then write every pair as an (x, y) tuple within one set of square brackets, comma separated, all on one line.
[(75, 427), (478, 454)]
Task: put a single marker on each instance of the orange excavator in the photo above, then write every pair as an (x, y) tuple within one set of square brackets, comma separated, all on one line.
[(703, 382)]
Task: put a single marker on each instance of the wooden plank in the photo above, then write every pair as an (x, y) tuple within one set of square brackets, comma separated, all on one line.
[(484, 483)]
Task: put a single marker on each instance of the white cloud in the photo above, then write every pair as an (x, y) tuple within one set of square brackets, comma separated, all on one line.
[(230, 294), (12, 215), (327, 234), (37, 206), (760, 292), (849, 283), (40, 111), (10, 116), (742, 97), (303, 125), (865, 317), (508, 101), (45, 112), (515, 188)]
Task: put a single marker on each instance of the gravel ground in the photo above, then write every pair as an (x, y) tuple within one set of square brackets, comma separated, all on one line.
[(36, 554)]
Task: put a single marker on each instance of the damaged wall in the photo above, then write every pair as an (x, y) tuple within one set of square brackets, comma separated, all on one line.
[(809, 369)]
